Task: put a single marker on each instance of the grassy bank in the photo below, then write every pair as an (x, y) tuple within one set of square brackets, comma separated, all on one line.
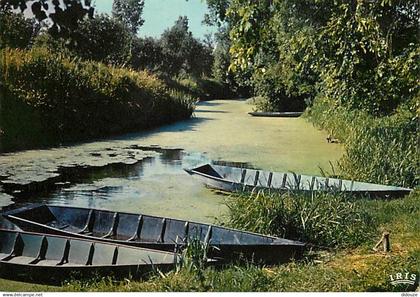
[(377, 149), (203, 88), (349, 264), (49, 99)]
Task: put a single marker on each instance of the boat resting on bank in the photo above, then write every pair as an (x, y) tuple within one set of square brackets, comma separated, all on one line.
[(231, 179), (153, 232), (286, 114), (51, 258)]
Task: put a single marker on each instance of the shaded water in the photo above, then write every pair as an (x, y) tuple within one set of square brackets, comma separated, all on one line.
[(157, 186), (150, 180)]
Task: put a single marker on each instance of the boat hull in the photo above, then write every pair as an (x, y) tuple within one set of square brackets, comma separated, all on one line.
[(233, 179), (290, 114), (52, 259), (224, 244)]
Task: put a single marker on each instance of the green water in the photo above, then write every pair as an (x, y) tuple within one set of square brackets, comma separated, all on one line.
[(221, 130), (225, 131)]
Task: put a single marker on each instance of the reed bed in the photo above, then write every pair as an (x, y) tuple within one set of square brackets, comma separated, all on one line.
[(58, 99), (320, 219), (377, 149)]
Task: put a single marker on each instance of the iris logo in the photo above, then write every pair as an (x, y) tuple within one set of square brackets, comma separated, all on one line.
[(403, 278)]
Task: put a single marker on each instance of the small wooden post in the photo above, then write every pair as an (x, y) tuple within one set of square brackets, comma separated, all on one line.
[(386, 244)]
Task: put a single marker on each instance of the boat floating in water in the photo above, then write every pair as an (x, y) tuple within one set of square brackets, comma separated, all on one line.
[(153, 232), (286, 114), (54, 258), (231, 179)]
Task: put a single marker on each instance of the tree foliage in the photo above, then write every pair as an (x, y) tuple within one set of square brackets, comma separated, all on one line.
[(183, 52), (360, 53), (129, 13), (15, 30), (176, 52), (103, 39), (147, 54), (63, 14)]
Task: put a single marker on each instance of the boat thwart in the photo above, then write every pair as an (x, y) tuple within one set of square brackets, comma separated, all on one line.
[(53, 258), (152, 232), (230, 179)]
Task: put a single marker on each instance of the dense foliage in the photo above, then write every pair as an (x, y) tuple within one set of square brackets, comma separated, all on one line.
[(129, 13), (63, 15), (176, 53), (362, 54), (101, 39), (354, 62), (15, 30), (378, 150), (49, 98)]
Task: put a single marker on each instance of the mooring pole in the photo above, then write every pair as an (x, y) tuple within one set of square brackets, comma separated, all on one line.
[(386, 244)]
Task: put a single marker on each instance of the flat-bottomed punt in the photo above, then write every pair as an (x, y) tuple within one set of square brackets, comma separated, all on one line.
[(53, 258), (153, 232), (286, 114), (231, 179)]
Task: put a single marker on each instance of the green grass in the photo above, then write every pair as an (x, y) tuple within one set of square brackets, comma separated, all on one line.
[(319, 219), (377, 149)]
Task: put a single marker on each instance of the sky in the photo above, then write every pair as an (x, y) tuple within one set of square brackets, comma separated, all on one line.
[(162, 14)]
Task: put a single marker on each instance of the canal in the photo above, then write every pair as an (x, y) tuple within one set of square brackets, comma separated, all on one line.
[(143, 172)]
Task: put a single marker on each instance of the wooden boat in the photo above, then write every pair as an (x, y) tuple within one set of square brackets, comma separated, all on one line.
[(230, 179), (286, 114), (54, 258), (153, 232)]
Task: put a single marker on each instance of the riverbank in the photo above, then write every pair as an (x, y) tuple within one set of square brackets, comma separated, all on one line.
[(50, 99), (358, 269), (380, 150)]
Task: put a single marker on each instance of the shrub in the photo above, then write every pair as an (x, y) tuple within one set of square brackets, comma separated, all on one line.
[(204, 88), (75, 99)]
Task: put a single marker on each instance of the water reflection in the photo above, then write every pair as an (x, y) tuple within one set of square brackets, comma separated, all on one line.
[(155, 185)]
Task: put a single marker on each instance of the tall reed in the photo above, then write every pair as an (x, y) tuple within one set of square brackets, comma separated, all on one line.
[(321, 219), (377, 149), (68, 98)]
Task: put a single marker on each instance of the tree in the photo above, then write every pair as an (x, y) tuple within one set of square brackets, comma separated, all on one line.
[(221, 57), (183, 53), (102, 39), (358, 53), (217, 12), (15, 30), (129, 13), (64, 20), (147, 54)]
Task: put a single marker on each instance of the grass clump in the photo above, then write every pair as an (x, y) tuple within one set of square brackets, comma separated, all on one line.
[(321, 219), (377, 149), (59, 99)]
